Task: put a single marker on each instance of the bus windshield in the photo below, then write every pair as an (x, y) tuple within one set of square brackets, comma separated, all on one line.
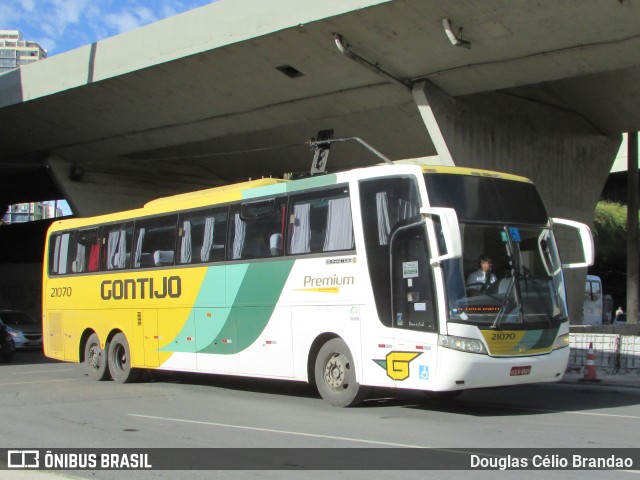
[(522, 284), (510, 274)]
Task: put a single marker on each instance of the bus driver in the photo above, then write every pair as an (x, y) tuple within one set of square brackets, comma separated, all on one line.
[(482, 279)]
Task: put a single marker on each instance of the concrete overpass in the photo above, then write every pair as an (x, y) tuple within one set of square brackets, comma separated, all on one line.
[(233, 89)]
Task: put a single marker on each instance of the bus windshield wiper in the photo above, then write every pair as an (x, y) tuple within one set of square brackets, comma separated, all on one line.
[(513, 254), (505, 302)]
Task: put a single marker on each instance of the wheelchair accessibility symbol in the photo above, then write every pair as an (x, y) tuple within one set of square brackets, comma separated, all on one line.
[(423, 372)]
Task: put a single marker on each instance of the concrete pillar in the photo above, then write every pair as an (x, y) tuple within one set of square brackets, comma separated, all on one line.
[(632, 229), (567, 158)]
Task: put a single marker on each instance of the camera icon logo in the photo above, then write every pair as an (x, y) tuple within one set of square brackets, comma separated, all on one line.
[(23, 459)]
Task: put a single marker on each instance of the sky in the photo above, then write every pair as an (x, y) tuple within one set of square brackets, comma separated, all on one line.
[(621, 162), (62, 25)]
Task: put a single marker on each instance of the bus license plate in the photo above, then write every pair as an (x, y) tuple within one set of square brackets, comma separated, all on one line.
[(517, 371)]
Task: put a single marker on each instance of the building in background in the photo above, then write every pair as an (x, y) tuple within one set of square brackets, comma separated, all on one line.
[(16, 51), (29, 212)]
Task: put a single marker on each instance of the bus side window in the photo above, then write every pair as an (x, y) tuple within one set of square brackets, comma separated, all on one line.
[(116, 246), (86, 251), (60, 253), (256, 229), (155, 241), (202, 236), (592, 290), (321, 222)]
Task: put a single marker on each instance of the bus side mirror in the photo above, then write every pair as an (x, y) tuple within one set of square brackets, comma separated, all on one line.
[(585, 237), (447, 231)]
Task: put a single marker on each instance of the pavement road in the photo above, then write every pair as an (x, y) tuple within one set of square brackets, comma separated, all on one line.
[(50, 404)]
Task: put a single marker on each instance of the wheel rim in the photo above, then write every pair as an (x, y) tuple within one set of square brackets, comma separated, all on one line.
[(119, 357), (95, 355), (336, 371)]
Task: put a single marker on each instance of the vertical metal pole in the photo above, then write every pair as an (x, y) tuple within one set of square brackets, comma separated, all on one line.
[(633, 264)]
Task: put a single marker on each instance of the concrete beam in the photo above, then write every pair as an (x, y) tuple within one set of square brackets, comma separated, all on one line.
[(422, 91), (104, 187)]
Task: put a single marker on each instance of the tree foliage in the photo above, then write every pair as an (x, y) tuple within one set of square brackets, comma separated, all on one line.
[(610, 239), (610, 233)]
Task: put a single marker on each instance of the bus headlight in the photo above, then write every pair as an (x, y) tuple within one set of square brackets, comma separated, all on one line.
[(463, 344), (561, 342)]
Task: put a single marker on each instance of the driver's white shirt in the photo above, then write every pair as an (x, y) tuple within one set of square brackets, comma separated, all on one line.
[(477, 279)]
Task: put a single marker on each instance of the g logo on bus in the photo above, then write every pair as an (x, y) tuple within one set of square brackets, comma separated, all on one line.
[(397, 364)]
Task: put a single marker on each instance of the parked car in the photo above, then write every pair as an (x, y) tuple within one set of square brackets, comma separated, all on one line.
[(7, 346), (25, 330)]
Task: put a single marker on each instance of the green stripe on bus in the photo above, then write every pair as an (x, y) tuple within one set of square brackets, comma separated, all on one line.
[(312, 182), (266, 191), (253, 290)]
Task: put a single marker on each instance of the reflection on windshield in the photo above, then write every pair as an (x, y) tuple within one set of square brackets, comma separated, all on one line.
[(509, 276)]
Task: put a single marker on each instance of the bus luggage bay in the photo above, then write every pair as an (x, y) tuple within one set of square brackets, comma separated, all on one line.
[(346, 280)]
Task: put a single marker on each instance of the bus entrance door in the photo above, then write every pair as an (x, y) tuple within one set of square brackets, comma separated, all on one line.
[(414, 313)]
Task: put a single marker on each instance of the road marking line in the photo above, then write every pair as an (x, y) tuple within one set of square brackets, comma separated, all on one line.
[(545, 410), (284, 432), (636, 417), (41, 381)]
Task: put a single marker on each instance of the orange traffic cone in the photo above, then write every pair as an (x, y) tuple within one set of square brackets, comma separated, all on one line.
[(590, 367)]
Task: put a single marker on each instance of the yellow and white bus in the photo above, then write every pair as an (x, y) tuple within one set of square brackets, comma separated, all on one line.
[(347, 280)]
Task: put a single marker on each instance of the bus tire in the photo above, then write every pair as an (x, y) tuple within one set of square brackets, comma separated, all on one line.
[(120, 360), (335, 375), (95, 359)]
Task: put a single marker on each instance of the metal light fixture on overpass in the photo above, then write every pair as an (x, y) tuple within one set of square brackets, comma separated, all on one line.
[(76, 173), (454, 38)]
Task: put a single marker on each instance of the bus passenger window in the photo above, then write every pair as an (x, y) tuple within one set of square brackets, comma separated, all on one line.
[(202, 236), (59, 258), (86, 251), (155, 242), (257, 229), (339, 234), (321, 222), (116, 247)]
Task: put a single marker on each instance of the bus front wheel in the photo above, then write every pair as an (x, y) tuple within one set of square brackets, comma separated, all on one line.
[(120, 360), (335, 375), (95, 359)]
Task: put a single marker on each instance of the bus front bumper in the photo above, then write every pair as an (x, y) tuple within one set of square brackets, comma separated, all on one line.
[(460, 370)]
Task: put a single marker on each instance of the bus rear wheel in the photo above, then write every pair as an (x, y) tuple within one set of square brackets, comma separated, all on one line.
[(335, 375), (120, 360), (95, 359)]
